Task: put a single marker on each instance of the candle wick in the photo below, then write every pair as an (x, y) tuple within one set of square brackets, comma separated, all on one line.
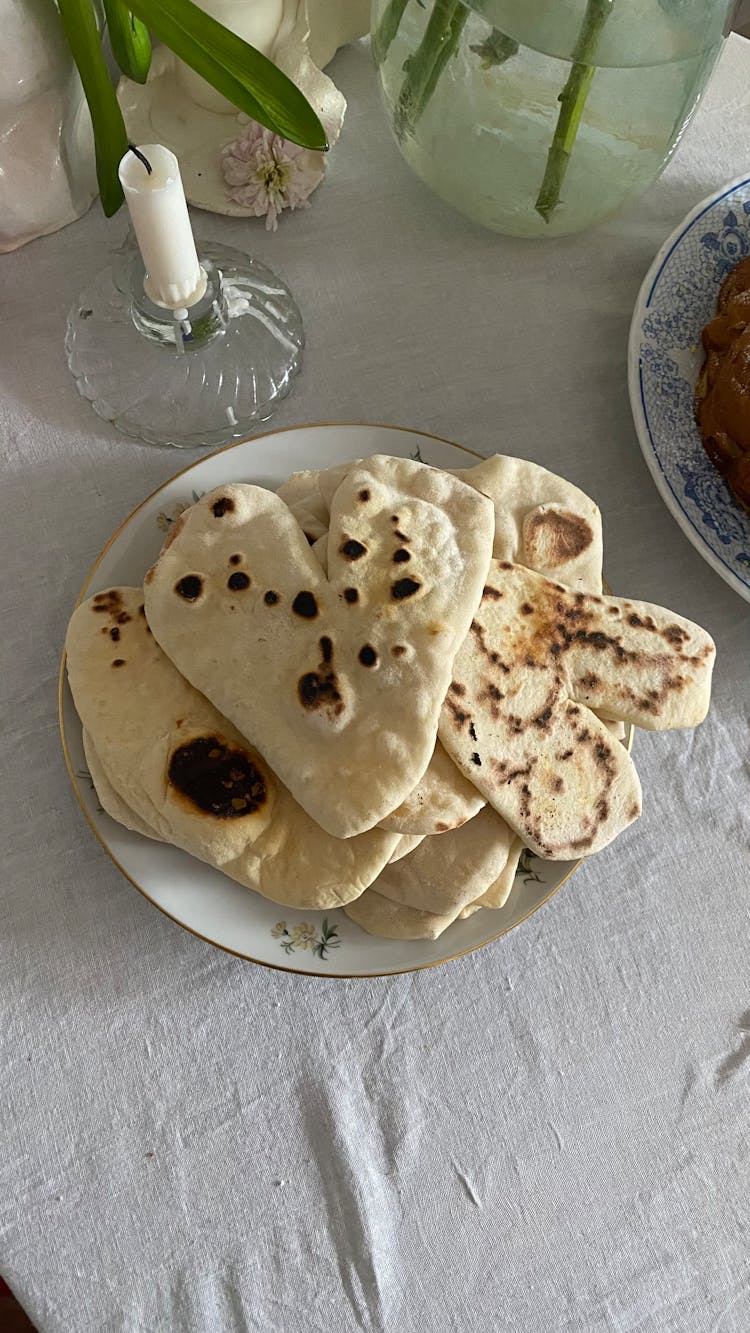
[(141, 157)]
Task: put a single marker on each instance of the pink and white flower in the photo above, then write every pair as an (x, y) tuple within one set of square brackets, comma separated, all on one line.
[(266, 174)]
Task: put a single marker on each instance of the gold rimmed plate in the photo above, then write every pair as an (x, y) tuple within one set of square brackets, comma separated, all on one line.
[(201, 899)]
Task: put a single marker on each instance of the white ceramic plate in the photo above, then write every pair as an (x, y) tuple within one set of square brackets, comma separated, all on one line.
[(677, 299), (202, 900)]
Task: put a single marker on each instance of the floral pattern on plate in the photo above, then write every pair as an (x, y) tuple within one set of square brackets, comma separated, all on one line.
[(304, 936), (677, 299)]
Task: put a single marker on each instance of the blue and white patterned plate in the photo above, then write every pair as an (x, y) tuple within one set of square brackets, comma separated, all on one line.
[(665, 355)]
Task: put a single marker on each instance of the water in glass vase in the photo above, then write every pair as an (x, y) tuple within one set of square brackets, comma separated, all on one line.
[(542, 117)]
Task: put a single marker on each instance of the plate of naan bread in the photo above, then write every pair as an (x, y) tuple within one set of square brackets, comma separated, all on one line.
[(351, 700)]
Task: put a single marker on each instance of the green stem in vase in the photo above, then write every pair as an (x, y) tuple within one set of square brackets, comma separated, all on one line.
[(387, 28), (572, 102), (424, 67)]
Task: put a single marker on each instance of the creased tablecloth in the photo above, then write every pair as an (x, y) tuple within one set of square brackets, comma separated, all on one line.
[(551, 1134)]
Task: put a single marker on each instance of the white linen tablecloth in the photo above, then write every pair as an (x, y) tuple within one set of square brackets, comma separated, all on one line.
[(551, 1134)]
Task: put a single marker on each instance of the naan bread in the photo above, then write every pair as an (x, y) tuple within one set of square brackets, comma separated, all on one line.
[(311, 492), (395, 920), (444, 875), (443, 799), (541, 520), (379, 916), (517, 719), (338, 680), (189, 776), (407, 843), (111, 803), (498, 893)]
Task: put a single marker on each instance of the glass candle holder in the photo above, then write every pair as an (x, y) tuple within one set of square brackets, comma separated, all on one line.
[(199, 376)]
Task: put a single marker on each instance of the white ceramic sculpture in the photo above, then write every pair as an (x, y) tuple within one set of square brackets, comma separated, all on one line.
[(46, 142), (178, 108)]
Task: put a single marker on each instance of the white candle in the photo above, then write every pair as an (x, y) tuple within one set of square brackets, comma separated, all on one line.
[(156, 203)]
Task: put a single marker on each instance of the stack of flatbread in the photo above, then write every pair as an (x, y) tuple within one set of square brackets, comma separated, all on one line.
[(375, 687)]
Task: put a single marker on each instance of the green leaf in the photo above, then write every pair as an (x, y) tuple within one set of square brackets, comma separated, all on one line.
[(248, 79), (110, 137), (131, 44)]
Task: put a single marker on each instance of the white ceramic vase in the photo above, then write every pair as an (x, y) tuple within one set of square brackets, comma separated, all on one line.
[(46, 141)]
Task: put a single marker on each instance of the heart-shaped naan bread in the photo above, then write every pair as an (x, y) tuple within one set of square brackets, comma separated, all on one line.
[(170, 759), (517, 719), (542, 521), (338, 679)]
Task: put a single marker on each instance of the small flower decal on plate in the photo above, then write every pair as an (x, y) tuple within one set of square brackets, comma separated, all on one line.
[(305, 936), (526, 869)]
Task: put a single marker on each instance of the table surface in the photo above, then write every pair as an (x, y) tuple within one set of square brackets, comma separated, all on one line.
[(550, 1134)]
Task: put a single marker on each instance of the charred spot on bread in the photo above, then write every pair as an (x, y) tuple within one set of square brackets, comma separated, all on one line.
[(190, 587), (403, 588), (305, 605), (219, 778)]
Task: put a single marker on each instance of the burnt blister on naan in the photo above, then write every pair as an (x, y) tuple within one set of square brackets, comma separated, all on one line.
[(224, 505), (271, 598), (554, 536), (219, 778), (189, 587), (305, 605), (351, 596), (351, 549), (318, 691), (238, 581), (368, 656), (404, 588), (107, 602)]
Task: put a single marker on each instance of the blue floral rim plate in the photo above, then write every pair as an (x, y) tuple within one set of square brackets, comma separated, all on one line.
[(677, 299)]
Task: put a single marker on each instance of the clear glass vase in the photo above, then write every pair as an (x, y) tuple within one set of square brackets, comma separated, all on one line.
[(543, 117)]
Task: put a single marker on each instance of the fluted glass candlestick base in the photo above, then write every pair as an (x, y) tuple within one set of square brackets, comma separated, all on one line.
[(202, 376)]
